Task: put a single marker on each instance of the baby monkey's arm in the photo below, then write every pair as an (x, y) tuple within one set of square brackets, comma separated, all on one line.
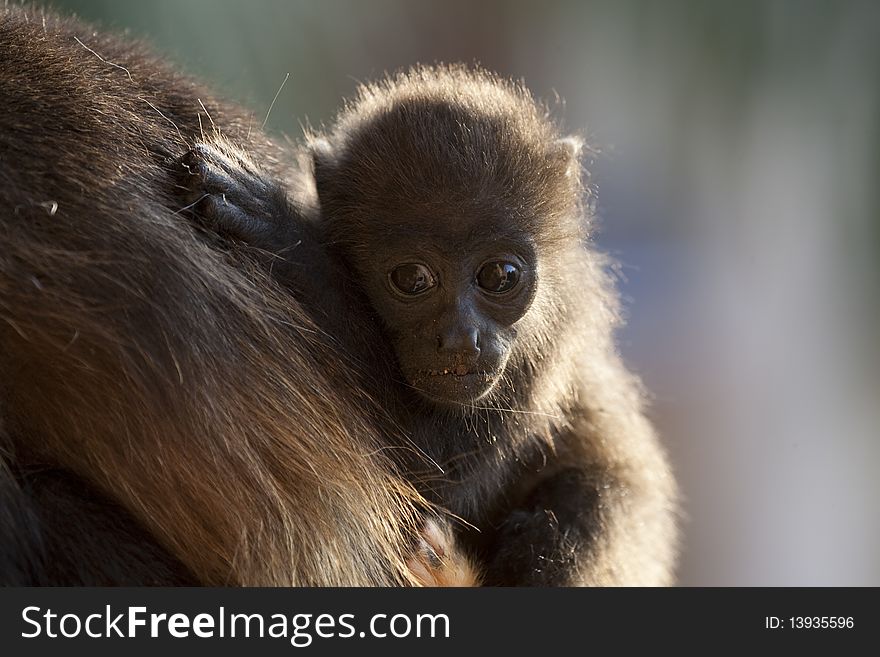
[(228, 194)]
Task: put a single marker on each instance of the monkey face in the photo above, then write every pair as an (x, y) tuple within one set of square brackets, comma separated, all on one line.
[(437, 196), (452, 312)]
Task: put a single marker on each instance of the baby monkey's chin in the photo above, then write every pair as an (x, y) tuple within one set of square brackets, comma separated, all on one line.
[(453, 387)]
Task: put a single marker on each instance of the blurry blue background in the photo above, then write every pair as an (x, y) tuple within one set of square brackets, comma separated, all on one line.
[(738, 187)]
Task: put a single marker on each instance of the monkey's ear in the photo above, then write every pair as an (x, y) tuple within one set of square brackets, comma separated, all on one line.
[(323, 163), (569, 151)]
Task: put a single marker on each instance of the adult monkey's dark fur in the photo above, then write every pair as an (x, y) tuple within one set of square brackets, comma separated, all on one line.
[(153, 384), (520, 398)]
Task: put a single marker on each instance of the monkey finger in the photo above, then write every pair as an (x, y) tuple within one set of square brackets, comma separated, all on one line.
[(438, 562), (207, 170)]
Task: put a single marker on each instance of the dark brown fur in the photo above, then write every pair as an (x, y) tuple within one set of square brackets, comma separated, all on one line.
[(152, 368)]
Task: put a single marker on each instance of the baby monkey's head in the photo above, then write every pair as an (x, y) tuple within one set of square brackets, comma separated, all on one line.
[(447, 191)]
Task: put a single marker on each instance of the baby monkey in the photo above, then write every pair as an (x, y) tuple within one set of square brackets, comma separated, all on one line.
[(445, 250)]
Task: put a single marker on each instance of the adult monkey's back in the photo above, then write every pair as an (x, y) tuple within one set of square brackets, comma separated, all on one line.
[(152, 365)]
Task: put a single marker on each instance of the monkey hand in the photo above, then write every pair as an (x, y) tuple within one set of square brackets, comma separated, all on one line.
[(437, 561), (553, 537), (230, 195), (530, 549)]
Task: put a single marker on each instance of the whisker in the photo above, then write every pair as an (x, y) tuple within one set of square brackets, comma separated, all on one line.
[(277, 93)]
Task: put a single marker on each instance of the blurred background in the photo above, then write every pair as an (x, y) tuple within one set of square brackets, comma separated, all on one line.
[(737, 175)]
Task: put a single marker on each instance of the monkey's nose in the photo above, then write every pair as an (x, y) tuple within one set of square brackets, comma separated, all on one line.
[(462, 344)]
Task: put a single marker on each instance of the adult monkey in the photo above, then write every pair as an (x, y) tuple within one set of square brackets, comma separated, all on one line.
[(153, 385), (452, 203)]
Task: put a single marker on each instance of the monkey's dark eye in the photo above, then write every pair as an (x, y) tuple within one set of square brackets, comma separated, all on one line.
[(412, 278), (498, 277)]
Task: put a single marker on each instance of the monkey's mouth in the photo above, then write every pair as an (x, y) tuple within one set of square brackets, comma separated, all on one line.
[(458, 371), (457, 384)]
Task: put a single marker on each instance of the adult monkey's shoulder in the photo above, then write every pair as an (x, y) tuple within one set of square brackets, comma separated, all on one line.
[(158, 369)]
